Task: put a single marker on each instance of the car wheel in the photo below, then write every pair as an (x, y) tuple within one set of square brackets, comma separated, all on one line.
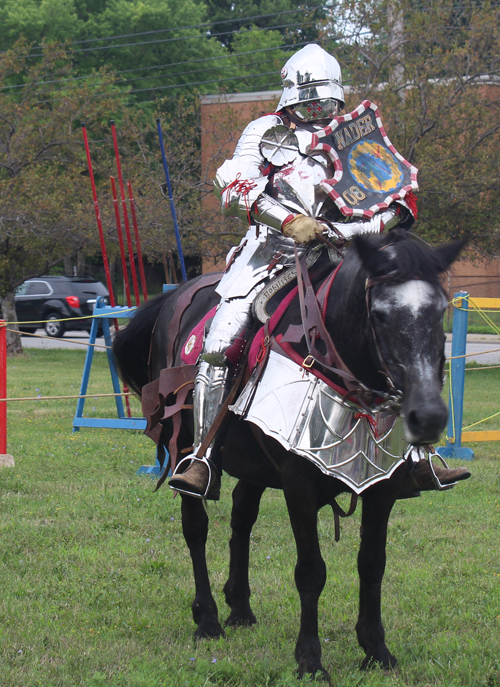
[(53, 327)]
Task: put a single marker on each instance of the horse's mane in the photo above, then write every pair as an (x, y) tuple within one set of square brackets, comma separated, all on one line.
[(398, 255)]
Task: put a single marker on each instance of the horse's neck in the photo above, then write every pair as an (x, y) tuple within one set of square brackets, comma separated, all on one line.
[(347, 322)]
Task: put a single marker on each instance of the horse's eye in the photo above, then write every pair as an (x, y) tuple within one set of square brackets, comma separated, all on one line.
[(379, 316)]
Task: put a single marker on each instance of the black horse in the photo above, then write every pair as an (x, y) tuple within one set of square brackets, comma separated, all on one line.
[(400, 339)]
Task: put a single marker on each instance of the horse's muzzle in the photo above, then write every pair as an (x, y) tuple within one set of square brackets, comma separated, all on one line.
[(424, 421)]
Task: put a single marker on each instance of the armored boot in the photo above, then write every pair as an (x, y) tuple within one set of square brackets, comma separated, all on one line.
[(197, 475)]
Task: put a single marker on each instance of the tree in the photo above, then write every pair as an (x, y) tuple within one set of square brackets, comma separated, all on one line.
[(439, 92), (142, 40), (43, 203), (296, 21)]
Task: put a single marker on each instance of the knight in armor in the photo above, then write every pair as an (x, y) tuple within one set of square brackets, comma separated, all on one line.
[(273, 183)]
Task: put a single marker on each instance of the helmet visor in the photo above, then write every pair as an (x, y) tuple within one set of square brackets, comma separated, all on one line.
[(310, 110)]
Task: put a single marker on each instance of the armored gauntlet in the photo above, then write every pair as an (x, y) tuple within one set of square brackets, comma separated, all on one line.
[(303, 229)]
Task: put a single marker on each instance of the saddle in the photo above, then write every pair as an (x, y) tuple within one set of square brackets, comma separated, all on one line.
[(166, 397)]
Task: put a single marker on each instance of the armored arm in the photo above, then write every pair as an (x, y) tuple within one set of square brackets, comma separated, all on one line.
[(240, 182), (401, 213)]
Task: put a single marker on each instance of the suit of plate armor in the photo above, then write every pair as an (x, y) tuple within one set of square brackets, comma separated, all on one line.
[(271, 180)]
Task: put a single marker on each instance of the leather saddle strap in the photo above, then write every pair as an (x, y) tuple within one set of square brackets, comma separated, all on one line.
[(183, 302)]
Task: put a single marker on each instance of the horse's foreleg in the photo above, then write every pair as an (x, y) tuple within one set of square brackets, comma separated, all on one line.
[(310, 574), (195, 529), (246, 501), (371, 567)]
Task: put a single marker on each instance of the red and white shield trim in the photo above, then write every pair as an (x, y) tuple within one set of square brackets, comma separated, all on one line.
[(329, 184)]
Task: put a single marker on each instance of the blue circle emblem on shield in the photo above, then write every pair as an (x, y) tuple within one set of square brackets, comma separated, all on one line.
[(374, 167)]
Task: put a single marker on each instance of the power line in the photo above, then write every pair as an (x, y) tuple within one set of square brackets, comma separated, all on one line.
[(196, 83), (193, 71), (170, 86), (180, 28), (189, 62), (199, 83), (179, 38), (162, 66), (224, 21)]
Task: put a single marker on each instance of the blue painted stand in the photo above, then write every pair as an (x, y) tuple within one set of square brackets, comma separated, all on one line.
[(454, 448), (102, 314)]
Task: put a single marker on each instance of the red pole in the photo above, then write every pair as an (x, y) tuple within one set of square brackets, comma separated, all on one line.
[(125, 271), (3, 388), (137, 242), (98, 218), (112, 301), (125, 217), (120, 242)]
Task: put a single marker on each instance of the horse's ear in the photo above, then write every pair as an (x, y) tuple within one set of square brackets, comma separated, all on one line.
[(449, 253), (368, 250)]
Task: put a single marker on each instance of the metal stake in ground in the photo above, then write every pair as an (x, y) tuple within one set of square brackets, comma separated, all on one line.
[(172, 205), (6, 460)]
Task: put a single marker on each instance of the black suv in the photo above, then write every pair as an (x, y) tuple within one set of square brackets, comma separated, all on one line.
[(56, 298)]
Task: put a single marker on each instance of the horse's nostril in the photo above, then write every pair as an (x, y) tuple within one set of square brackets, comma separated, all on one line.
[(426, 424), (413, 421)]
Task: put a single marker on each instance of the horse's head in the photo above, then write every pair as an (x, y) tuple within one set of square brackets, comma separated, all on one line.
[(406, 304)]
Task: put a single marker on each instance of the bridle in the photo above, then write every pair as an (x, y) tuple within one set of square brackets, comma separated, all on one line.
[(388, 280), (313, 310)]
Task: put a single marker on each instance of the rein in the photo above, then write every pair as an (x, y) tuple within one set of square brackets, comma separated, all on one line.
[(313, 328)]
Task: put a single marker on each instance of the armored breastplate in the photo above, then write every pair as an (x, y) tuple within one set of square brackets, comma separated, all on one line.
[(298, 185), (297, 182)]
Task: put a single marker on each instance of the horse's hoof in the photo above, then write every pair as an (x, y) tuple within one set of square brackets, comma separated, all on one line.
[(388, 663), (240, 619), (320, 675), (210, 630)]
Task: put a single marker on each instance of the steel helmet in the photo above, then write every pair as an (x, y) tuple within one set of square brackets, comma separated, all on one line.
[(312, 84)]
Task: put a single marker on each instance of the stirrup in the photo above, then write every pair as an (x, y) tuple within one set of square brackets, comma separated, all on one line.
[(213, 481), (435, 478)]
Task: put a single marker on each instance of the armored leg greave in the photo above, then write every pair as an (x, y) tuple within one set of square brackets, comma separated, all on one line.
[(222, 352), (212, 385)]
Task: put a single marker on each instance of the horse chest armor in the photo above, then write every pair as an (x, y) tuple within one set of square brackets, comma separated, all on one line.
[(308, 417)]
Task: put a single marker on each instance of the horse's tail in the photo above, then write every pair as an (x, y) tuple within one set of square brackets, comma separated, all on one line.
[(131, 345)]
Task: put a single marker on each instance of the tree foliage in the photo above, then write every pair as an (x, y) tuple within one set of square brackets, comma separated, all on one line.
[(296, 21), (155, 46), (46, 209), (434, 69)]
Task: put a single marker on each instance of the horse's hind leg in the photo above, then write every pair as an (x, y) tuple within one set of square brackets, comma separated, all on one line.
[(195, 529), (371, 566), (246, 501)]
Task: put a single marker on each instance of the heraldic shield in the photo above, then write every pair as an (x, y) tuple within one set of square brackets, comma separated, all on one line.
[(369, 172)]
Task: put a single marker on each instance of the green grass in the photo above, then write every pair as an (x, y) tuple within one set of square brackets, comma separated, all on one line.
[(96, 581), (476, 323)]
